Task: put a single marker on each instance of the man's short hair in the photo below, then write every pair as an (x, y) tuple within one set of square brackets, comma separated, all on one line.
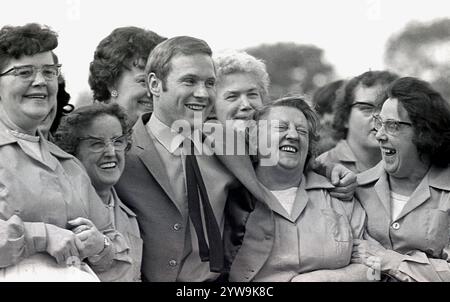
[(159, 59)]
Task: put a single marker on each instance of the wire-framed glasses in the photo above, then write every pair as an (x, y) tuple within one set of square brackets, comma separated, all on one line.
[(29, 72), (96, 144), (391, 127)]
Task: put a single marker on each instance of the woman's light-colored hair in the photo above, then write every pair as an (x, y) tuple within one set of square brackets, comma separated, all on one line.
[(233, 61)]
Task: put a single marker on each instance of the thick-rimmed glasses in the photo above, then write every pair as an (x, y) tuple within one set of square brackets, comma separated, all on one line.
[(96, 144), (366, 108), (391, 127), (29, 72)]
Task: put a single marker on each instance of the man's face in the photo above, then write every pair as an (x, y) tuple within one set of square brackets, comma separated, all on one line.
[(238, 95), (190, 89)]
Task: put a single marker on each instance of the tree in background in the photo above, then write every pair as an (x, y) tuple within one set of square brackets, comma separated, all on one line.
[(294, 68), (422, 50)]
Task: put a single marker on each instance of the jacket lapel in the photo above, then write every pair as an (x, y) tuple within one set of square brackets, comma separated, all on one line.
[(146, 151), (301, 200), (121, 223), (273, 203), (419, 196), (378, 175), (382, 190), (310, 181)]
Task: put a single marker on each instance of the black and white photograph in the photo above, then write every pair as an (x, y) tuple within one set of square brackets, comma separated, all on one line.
[(209, 144)]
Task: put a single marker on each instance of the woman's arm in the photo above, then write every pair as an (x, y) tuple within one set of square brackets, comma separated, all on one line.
[(415, 266), (21, 239), (18, 240), (104, 254), (351, 273)]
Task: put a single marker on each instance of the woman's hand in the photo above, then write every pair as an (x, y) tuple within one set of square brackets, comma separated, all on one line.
[(375, 256), (345, 182), (61, 244), (91, 240)]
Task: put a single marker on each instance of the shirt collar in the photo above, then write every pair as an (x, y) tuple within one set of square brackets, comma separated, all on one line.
[(437, 177), (315, 181), (344, 153), (6, 138), (169, 138)]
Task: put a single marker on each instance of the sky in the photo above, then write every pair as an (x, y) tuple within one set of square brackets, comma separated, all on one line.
[(352, 33)]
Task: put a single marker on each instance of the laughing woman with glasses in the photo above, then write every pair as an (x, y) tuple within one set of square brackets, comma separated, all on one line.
[(46, 197), (407, 195), (357, 148), (98, 136)]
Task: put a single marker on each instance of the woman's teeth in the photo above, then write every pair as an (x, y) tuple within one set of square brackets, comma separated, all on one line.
[(289, 149), (388, 151), (108, 165)]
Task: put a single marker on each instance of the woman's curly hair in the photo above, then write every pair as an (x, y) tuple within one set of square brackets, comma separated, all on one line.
[(68, 135), (27, 40), (429, 113), (117, 52)]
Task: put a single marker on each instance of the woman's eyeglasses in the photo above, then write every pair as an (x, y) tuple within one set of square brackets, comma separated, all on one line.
[(96, 144), (391, 127), (29, 72)]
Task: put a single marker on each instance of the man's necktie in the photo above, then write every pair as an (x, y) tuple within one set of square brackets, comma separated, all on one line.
[(194, 182)]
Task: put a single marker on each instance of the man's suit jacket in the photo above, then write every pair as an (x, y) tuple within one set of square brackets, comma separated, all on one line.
[(145, 188)]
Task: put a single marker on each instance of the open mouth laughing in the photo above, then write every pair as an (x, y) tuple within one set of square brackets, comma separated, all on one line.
[(108, 165), (388, 151), (289, 149)]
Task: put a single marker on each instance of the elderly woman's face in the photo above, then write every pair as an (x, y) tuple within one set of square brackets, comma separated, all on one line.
[(132, 92), (103, 162), (399, 153), (27, 102), (238, 95), (287, 133)]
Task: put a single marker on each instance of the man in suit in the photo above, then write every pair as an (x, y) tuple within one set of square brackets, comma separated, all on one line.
[(181, 79), (178, 246)]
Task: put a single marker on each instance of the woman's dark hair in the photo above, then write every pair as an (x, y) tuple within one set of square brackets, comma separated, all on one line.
[(324, 97), (119, 51), (67, 137), (342, 106), (27, 40), (299, 103), (62, 100), (429, 113)]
